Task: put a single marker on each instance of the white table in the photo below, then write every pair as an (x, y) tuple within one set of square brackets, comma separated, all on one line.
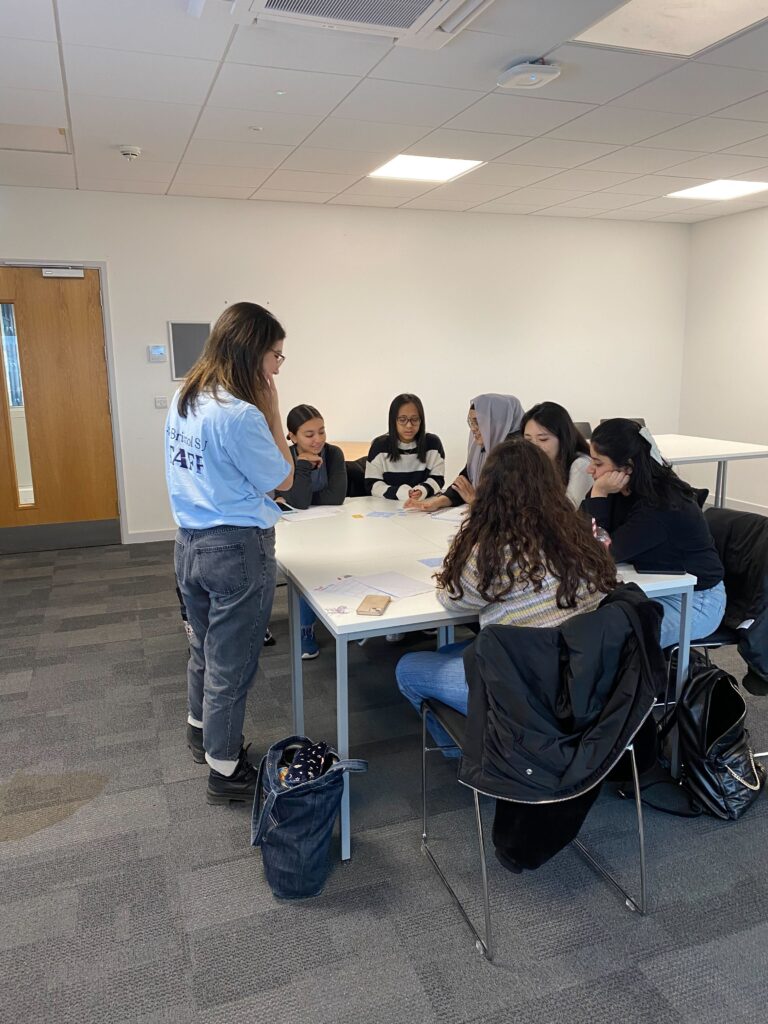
[(680, 449), (313, 553)]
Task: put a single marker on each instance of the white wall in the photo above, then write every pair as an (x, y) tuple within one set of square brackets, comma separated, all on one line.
[(725, 376), (376, 302)]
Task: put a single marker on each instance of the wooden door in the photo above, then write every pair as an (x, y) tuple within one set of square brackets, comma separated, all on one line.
[(65, 400)]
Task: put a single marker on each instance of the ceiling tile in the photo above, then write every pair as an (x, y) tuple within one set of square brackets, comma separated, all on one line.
[(535, 28), (206, 174), (310, 181), (515, 176), (662, 205), (473, 60), (618, 125), (563, 211), (141, 76), (335, 161), (29, 64), (254, 88), (707, 134), (345, 199), (366, 136), (230, 124), (747, 51), (397, 103), (654, 185), (116, 185), (27, 19), (603, 201), (385, 187), (696, 89), (33, 138), (429, 202), (161, 129), (95, 160), (294, 196), (626, 214), (549, 152), (211, 191), (37, 170), (541, 197), (269, 44), (33, 107), (459, 145), (516, 115), (465, 188), (756, 147), (718, 165), (235, 154), (755, 109), (638, 160), (148, 26), (596, 74), (585, 180), (504, 206)]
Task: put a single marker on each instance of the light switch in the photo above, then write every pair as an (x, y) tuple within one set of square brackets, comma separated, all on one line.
[(161, 402)]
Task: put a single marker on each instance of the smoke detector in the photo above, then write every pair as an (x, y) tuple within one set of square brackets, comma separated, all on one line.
[(531, 75), (130, 153)]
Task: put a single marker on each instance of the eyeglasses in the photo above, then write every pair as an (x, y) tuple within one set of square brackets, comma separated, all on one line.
[(405, 420), (278, 355)]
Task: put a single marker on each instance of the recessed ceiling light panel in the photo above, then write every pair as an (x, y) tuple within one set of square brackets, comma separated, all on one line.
[(676, 27), (725, 188), (424, 168)]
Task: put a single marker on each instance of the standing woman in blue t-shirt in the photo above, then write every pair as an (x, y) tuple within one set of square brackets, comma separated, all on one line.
[(225, 452)]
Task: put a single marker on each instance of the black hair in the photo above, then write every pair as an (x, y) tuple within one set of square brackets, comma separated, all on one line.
[(393, 439), (557, 421), (298, 415), (656, 483)]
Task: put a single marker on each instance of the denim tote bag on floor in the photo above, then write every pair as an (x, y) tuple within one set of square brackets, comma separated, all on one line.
[(295, 823)]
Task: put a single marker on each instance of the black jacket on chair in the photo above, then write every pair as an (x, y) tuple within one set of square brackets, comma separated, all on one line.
[(551, 712), (741, 539)]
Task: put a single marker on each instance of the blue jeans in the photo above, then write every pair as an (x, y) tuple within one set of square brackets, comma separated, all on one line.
[(306, 614), (438, 674), (226, 576), (707, 610)]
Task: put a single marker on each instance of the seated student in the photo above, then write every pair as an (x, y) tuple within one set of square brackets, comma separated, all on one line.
[(523, 556), (406, 462), (654, 521), (320, 478), (550, 427), (491, 420)]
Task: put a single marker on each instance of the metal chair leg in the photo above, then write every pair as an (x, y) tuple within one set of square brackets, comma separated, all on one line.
[(482, 945), (629, 902)]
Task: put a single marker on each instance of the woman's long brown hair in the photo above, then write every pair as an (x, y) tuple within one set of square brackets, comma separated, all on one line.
[(521, 526), (232, 357)]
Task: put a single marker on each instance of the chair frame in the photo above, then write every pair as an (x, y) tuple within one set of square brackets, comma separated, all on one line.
[(485, 945)]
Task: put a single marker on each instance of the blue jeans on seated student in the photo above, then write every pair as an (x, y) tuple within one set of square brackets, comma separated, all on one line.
[(226, 576), (438, 674), (707, 610), (306, 614)]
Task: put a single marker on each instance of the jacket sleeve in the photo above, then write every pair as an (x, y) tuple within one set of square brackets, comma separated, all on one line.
[(374, 473), (452, 494), (641, 530), (300, 494), (335, 491)]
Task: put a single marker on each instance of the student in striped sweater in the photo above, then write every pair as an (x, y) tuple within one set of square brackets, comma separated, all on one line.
[(406, 462)]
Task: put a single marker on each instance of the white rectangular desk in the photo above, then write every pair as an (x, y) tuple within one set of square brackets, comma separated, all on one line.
[(680, 449), (313, 553)]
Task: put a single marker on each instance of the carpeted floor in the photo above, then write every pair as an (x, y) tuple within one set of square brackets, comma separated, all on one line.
[(124, 897)]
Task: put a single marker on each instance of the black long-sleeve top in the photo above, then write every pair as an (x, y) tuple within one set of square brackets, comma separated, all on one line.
[(333, 492), (659, 539)]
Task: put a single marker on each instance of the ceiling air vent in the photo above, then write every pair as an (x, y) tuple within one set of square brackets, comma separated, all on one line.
[(425, 24)]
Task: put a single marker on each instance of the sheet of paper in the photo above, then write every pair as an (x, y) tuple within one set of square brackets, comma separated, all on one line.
[(380, 515), (451, 515), (342, 591), (313, 512), (395, 584), (431, 563)]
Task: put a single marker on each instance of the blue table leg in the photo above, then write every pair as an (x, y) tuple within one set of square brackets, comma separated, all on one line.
[(297, 681), (683, 658)]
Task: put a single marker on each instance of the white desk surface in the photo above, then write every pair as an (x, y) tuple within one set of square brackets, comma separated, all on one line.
[(315, 552), (680, 448)]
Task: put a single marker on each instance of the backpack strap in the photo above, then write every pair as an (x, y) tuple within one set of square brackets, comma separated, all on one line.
[(265, 811), (351, 764)]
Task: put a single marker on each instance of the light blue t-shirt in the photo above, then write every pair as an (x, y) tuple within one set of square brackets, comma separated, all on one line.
[(220, 462)]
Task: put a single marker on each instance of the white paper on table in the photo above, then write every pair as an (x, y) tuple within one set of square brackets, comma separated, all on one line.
[(313, 512), (395, 584), (350, 588), (451, 515)]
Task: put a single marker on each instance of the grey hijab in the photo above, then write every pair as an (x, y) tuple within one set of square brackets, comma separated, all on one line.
[(498, 416)]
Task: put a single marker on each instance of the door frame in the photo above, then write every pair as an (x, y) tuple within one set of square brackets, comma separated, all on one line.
[(106, 321)]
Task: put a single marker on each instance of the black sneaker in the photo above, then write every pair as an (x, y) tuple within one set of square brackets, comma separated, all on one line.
[(195, 743), (240, 786), (269, 640)]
